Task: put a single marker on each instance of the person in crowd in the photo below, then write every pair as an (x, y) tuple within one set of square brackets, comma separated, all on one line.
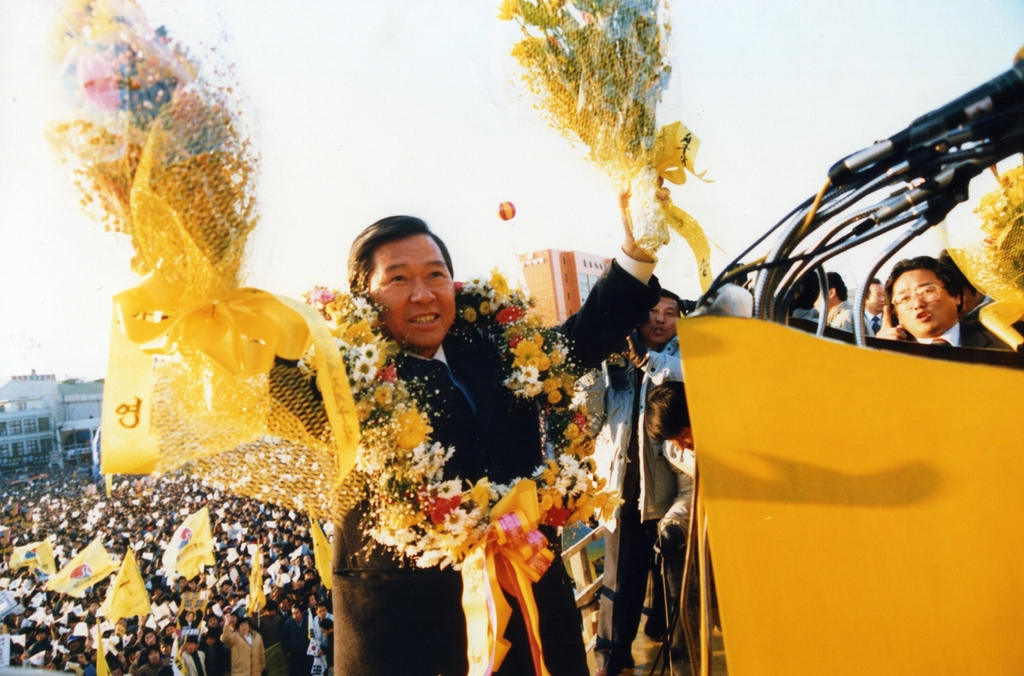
[(327, 629), (154, 661), (668, 421), (874, 307), (973, 299), (194, 659), (295, 643), (925, 296), (839, 311), (640, 474), (247, 653), (216, 656), (390, 616)]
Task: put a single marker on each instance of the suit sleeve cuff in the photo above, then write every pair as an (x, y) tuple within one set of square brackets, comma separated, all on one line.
[(640, 271)]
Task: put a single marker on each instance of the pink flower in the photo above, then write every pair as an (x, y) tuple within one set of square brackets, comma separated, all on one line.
[(580, 420), (322, 295), (509, 315), (99, 81), (388, 374), (513, 341), (459, 286)]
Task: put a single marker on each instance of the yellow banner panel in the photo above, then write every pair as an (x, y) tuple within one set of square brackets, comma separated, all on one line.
[(865, 509)]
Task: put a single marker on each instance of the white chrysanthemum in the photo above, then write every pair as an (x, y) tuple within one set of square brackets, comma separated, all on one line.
[(529, 375), (449, 489), (363, 370), (456, 522)]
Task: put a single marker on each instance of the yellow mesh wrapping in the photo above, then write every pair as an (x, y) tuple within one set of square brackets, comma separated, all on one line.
[(160, 155), (990, 251), (598, 68)]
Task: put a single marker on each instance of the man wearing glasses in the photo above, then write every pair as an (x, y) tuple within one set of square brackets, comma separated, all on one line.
[(927, 296)]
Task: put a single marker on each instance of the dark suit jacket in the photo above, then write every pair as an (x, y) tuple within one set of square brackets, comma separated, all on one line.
[(393, 618)]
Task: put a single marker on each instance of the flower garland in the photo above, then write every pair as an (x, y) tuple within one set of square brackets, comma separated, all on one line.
[(413, 510)]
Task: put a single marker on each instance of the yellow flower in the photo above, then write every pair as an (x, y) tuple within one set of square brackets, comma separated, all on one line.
[(572, 431), (508, 10), (550, 475), (358, 334), (554, 397), (499, 284), (552, 384), (469, 314), (480, 494), (557, 358), (529, 353), (485, 308), (546, 502), (385, 394), (363, 409), (413, 429)]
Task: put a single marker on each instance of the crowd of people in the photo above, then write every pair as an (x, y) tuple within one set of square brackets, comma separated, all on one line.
[(56, 632)]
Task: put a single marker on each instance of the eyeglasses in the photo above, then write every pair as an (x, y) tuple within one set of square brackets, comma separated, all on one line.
[(926, 292)]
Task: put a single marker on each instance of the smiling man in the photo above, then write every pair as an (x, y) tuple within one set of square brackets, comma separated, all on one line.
[(926, 297), (392, 617)]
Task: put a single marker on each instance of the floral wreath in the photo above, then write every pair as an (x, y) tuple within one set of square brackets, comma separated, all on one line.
[(413, 510)]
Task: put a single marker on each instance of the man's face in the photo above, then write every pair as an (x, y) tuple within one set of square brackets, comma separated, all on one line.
[(212, 622), (243, 629), (321, 612), (296, 614), (191, 647), (875, 303), (660, 325), (410, 281), (154, 657), (924, 307)]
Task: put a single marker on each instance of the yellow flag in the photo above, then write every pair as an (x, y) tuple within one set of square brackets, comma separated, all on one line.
[(102, 668), (321, 553), (190, 547), (128, 596), (257, 599), (92, 565), (36, 555)]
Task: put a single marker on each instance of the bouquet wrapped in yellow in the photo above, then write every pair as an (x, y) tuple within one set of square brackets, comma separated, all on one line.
[(160, 155), (992, 255), (598, 68)]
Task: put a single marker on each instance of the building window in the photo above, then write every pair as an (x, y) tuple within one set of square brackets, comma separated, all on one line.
[(21, 406), (16, 449), (46, 445), (44, 424), (3, 429), (15, 427), (30, 425), (32, 446), (5, 450)]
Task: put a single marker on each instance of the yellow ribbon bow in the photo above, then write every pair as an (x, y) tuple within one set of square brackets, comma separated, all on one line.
[(675, 152), (512, 558), (241, 330)]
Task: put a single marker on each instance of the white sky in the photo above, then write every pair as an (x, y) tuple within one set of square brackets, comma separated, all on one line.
[(371, 109)]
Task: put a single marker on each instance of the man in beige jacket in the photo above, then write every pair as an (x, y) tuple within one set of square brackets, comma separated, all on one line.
[(247, 655)]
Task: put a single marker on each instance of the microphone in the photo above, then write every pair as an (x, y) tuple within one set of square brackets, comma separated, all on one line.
[(1001, 92)]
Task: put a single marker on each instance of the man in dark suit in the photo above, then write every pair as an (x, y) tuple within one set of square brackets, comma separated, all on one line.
[(394, 618), (927, 297)]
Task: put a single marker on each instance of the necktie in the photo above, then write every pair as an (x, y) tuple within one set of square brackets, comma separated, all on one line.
[(876, 323)]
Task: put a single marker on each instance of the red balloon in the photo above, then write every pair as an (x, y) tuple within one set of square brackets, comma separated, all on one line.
[(506, 211)]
